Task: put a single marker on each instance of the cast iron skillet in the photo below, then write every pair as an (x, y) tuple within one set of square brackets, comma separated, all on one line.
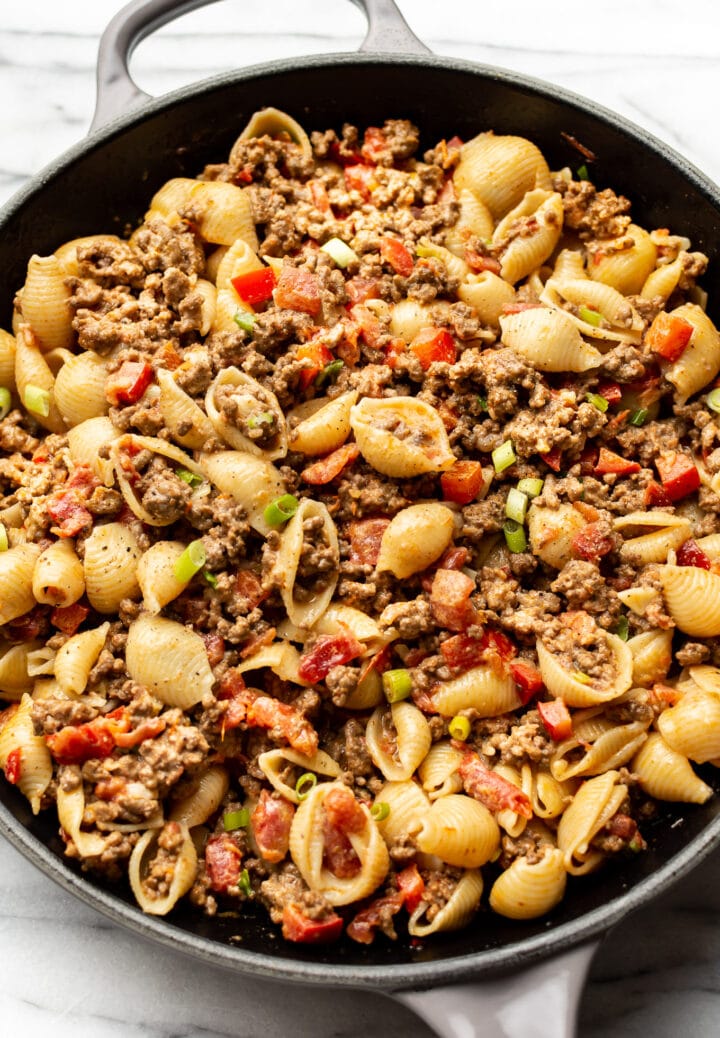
[(498, 978)]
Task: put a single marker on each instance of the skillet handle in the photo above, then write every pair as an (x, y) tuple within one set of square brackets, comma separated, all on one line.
[(388, 32), (539, 1002)]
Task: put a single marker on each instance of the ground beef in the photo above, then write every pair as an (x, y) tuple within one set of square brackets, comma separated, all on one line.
[(593, 213), (583, 587), (159, 247), (51, 714), (13, 437), (287, 887), (110, 261), (579, 645), (225, 529), (523, 743)]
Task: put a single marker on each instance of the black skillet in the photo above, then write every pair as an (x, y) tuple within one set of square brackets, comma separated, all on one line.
[(497, 978)]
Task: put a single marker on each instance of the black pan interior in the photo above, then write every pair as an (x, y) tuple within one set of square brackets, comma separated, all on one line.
[(107, 184)]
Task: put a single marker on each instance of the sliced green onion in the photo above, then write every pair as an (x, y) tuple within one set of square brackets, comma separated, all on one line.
[(397, 685), (712, 400), (582, 172), (582, 677), (504, 456), (281, 509), (304, 784), (245, 320), (5, 401), (191, 560), (329, 372), (244, 883), (516, 505), (37, 400), (639, 417), (341, 253), (597, 401), (637, 844), (380, 811), (459, 728), (191, 478), (622, 629), (531, 487), (262, 418), (482, 403), (593, 317), (236, 820), (515, 536), (211, 578), (4, 545)]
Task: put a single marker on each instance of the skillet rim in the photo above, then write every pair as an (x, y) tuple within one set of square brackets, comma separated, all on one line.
[(454, 968)]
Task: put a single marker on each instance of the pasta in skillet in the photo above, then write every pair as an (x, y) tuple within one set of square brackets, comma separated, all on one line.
[(359, 538)]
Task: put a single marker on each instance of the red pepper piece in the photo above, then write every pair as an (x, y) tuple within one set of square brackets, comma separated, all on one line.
[(655, 496), (128, 383), (412, 887), (256, 286), (365, 539), (450, 599), (556, 719), (319, 356), (592, 542), (374, 143), (433, 344), (300, 929), (668, 336), (222, 863), (362, 179), (612, 392), (553, 459), (394, 253), (329, 650), (462, 483), (490, 789), (271, 821), (328, 468), (689, 554), (298, 289), (68, 618), (678, 474), (13, 766), (609, 462), (527, 678)]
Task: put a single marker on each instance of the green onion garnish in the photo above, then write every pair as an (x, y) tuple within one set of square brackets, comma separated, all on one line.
[(397, 685), (380, 811), (639, 417), (329, 372), (597, 401), (341, 253), (637, 844), (582, 677), (622, 629), (236, 820), (37, 400), (459, 728), (515, 536), (592, 317), (516, 505), (531, 487), (4, 545), (262, 418), (582, 172), (281, 509), (5, 401), (191, 560), (191, 478), (712, 400), (482, 403), (211, 578), (245, 320), (504, 456), (304, 784), (244, 883)]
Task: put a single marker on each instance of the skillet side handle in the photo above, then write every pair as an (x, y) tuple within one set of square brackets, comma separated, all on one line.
[(539, 1002), (388, 32)]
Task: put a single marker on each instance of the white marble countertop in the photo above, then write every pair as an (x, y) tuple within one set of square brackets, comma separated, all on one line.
[(66, 971)]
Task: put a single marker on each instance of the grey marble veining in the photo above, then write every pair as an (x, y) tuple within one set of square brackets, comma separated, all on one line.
[(64, 969)]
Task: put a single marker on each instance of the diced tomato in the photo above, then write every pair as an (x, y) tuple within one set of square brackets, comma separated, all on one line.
[(329, 467), (232, 684), (328, 651), (110, 789), (319, 196), (13, 766), (318, 354), (348, 349), (553, 459), (28, 626), (448, 195), (454, 558), (271, 821), (300, 929), (623, 826), (462, 483), (374, 143), (365, 538), (655, 496), (609, 462), (339, 856), (222, 862), (214, 647), (167, 357), (433, 344), (250, 589), (256, 641), (284, 723), (343, 811), (362, 179), (556, 719), (592, 542), (255, 286), (527, 678), (689, 554), (490, 789), (678, 474), (412, 887), (76, 744), (342, 815), (147, 730), (668, 336), (379, 663), (359, 290), (448, 414), (450, 599), (238, 706), (461, 652), (395, 349), (611, 391), (394, 253), (363, 927), (68, 513), (370, 327), (478, 262), (497, 644), (298, 290), (128, 383), (665, 695), (244, 175), (68, 618)]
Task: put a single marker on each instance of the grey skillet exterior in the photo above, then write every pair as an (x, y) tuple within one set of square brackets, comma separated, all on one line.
[(522, 988)]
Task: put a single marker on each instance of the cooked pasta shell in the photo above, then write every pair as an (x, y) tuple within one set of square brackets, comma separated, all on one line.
[(455, 266), (227, 306), (548, 797), (711, 546), (649, 536), (249, 400), (305, 605), (439, 770), (663, 280), (325, 428), (563, 684), (692, 726), (527, 890), (416, 537), (408, 317), (500, 170), (271, 122), (398, 753), (569, 265), (460, 831), (197, 807), (278, 763), (32, 371), (46, 302), (407, 805), (86, 442), (156, 574), (605, 745), (625, 268), (41, 661), (7, 360), (220, 211), (179, 871), (338, 617), (526, 252), (14, 676), (401, 436), (552, 531), (169, 659), (637, 599), (76, 658), (621, 321), (510, 821), (80, 388), (125, 481), (548, 340), (367, 693), (67, 256), (595, 803), (17, 736), (706, 677), (186, 422), (692, 597), (253, 482), (488, 294), (71, 810), (700, 360), (474, 218), (110, 564), (16, 580), (281, 658), (652, 656), (456, 913), (307, 844), (240, 258), (667, 775), (480, 689), (58, 577)]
